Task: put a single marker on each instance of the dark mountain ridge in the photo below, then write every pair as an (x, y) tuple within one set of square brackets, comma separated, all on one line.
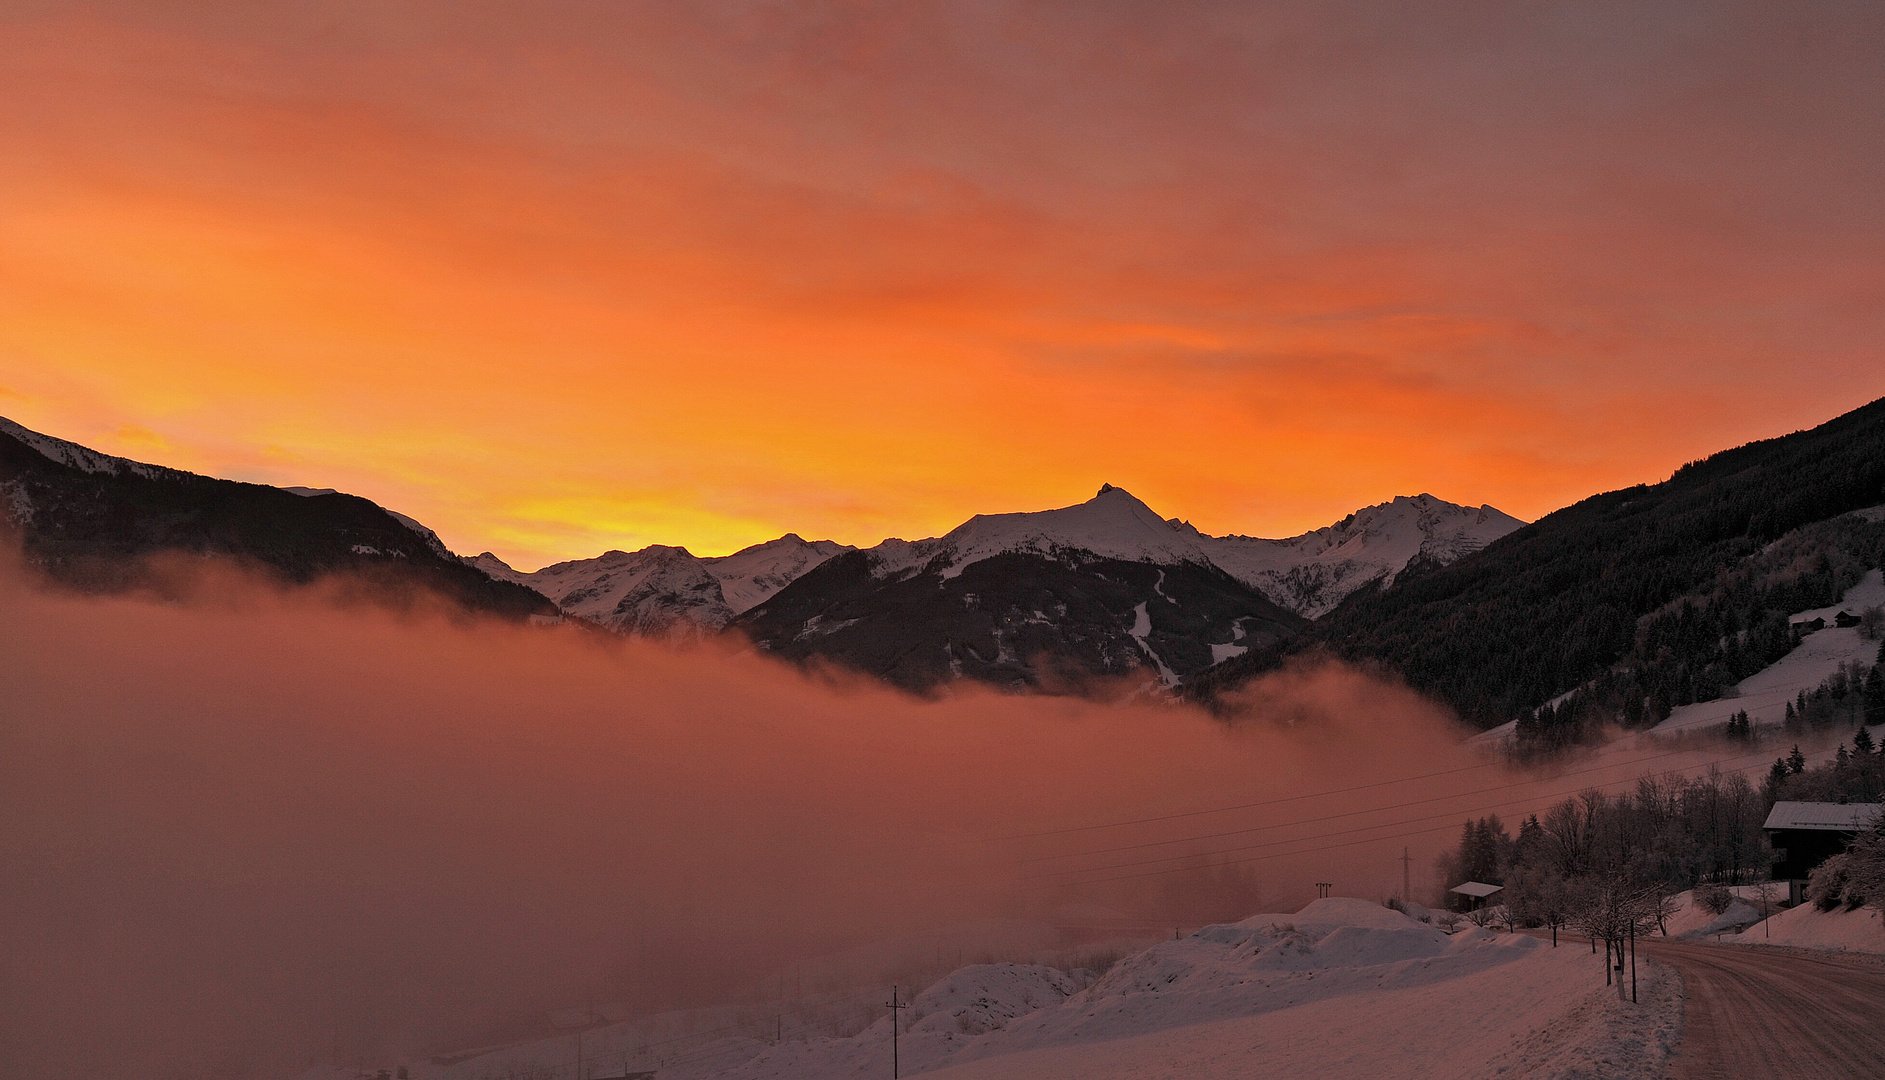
[(1018, 620), (1569, 597), (88, 521)]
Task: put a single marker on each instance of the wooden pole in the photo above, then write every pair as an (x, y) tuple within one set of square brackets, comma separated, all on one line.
[(894, 1007)]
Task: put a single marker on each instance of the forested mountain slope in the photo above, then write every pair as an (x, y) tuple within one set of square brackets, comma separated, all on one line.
[(1567, 598), (87, 520)]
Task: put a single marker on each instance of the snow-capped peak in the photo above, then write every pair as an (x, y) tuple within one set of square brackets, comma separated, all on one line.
[(668, 590), (749, 577), (1314, 572), (1112, 524)]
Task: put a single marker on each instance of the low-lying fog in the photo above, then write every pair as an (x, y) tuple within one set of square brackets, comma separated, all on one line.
[(260, 829)]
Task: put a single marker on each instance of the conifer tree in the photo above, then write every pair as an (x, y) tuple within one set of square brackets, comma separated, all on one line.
[(1862, 743), (1777, 776), (1875, 696), (1796, 761)]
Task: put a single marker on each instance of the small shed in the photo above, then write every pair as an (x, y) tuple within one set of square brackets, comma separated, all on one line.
[(1806, 834), (1472, 895)]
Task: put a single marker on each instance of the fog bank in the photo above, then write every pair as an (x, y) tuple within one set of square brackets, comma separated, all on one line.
[(260, 829)]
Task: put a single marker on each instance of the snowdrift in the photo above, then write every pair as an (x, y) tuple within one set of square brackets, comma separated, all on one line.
[(1330, 949), (1808, 927)]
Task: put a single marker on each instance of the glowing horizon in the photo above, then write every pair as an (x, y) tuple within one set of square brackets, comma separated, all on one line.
[(605, 276)]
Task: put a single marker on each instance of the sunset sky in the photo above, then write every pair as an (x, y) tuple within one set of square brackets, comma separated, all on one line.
[(557, 277)]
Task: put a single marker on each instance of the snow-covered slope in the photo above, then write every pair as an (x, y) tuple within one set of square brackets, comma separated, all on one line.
[(750, 576), (1313, 573), (659, 591), (665, 591), (1764, 695), (84, 458), (1807, 927)]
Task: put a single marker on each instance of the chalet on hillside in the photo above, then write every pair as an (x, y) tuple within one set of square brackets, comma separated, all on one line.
[(1845, 619), (1472, 895), (1808, 626), (1806, 834)]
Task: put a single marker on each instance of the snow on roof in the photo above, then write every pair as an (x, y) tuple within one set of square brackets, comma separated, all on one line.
[(1831, 817), (1476, 888)]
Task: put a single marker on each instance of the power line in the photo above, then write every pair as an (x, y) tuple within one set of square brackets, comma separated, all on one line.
[(1344, 832), (1287, 854), (1240, 806), (1449, 814), (1353, 813)]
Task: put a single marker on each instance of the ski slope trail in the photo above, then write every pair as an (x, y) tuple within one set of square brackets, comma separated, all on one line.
[(1775, 1012)]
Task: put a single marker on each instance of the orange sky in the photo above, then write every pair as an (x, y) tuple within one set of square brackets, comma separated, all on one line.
[(555, 278)]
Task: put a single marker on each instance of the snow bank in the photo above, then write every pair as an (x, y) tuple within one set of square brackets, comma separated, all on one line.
[(1809, 928), (1545, 1015), (1692, 920), (1341, 988)]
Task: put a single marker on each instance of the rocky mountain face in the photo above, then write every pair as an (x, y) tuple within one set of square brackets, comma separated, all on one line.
[(88, 520)]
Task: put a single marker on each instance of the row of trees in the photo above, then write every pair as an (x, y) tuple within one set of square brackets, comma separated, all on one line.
[(1671, 831), (1609, 866), (1856, 774), (1853, 694)]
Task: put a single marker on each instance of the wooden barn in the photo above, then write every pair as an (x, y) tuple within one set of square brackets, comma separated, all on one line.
[(1806, 834)]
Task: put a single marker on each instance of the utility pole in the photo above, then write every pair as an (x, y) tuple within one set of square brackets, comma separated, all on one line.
[(1407, 876), (895, 1007)]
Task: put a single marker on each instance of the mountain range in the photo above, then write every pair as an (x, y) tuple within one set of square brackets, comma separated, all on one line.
[(1101, 588), (1638, 599), (1105, 587), (667, 591)]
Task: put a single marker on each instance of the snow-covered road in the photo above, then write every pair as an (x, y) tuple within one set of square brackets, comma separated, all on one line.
[(1797, 1013)]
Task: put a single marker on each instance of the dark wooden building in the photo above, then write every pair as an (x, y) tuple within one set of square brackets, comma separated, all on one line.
[(1806, 834), (1472, 895)]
